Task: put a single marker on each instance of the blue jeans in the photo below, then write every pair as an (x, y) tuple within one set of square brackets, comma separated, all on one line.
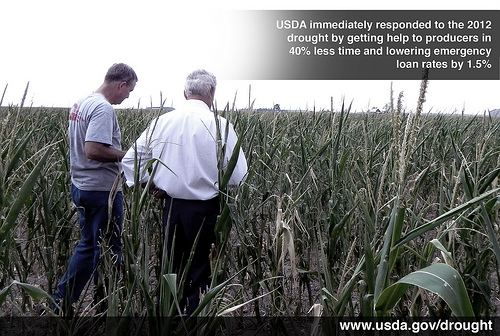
[(93, 217)]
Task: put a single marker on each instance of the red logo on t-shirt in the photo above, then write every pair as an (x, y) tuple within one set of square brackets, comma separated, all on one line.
[(74, 114)]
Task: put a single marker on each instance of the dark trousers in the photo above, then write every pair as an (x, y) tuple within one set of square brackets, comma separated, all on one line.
[(183, 220)]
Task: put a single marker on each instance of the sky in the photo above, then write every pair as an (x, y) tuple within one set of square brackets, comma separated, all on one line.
[(64, 48)]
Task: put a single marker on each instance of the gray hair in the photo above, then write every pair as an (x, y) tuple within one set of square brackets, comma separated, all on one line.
[(200, 82)]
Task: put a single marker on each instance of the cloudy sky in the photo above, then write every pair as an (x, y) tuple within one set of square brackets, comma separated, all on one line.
[(63, 49)]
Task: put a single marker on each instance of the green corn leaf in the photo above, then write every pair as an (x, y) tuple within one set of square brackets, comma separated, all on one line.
[(467, 183), (223, 224), (444, 217), (171, 281), (440, 247), (23, 195), (492, 176), (212, 293), (234, 308), (231, 165), (383, 269), (35, 292), (440, 279), (3, 294), (491, 233), (15, 156)]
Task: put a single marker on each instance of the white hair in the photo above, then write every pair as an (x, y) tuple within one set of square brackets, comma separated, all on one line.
[(199, 82)]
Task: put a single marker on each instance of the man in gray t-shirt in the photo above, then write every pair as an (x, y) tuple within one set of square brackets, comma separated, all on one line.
[(95, 155), (93, 119)]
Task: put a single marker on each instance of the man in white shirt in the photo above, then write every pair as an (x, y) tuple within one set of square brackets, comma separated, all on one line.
[(185, 142)]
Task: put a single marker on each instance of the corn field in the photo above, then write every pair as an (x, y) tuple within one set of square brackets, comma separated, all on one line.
[(342, 214)]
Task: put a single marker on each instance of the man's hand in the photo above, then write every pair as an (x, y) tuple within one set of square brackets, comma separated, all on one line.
[(155, 191)]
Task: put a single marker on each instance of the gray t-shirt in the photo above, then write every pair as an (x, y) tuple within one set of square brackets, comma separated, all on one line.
[(93, 119)]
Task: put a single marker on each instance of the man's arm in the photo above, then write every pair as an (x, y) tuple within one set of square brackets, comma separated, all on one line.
[(135, 159), (103, 153)]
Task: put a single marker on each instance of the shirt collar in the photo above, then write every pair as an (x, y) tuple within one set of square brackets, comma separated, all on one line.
[(197, 103)]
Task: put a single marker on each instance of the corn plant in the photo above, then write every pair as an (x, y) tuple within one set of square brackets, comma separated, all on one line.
[(341, 213)]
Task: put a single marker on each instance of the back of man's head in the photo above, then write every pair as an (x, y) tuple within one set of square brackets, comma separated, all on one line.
[(120, 72), (200, 82)]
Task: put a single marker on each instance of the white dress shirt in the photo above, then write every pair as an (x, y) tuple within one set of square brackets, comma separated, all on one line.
[(185, 143)]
